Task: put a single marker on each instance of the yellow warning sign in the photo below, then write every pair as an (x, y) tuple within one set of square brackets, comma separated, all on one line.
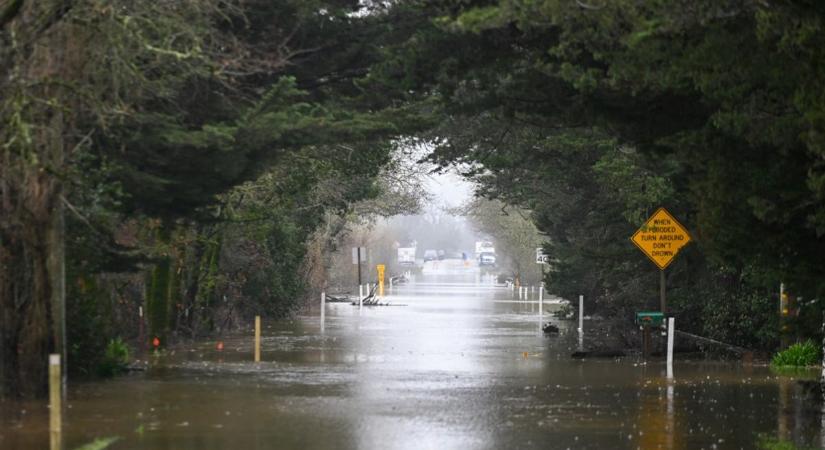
[(661, 238), (380, 268)]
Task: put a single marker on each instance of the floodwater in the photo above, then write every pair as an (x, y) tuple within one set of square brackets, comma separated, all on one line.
[(454, 363)]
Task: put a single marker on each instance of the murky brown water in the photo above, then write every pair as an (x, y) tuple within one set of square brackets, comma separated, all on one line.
[(445, 371)]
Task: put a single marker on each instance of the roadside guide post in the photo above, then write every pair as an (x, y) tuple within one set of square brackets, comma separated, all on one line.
[(541, 299), (671, 328), (55, 395), (380, 268), (581, 322), (323, 309), (257, 338)]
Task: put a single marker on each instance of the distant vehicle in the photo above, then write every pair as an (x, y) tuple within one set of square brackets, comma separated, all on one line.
[(484, 247), (441, 255), (454, 255), (406, 256), (487, 259), (430, 255)]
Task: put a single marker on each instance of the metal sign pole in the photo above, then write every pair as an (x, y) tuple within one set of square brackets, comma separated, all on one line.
[(359, 266), (662, 298)]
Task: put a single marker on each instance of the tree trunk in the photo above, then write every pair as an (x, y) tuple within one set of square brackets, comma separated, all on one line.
[(32, 296)]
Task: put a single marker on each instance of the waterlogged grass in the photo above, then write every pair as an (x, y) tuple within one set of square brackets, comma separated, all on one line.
[(99, 443), (801, 354)]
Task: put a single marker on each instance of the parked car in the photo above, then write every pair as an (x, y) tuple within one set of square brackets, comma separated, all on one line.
[(487, 259), (430, 255)]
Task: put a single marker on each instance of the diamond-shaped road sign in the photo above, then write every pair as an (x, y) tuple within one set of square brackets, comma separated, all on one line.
[(661, 237)]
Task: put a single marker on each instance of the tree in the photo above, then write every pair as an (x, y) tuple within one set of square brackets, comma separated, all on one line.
[(513, 232)]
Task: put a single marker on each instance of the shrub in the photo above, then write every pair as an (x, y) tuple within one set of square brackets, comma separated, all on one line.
[(765, 442), (798, 355), (115, 359)]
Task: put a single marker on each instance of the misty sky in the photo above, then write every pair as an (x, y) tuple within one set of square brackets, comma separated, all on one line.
[(449, 190)]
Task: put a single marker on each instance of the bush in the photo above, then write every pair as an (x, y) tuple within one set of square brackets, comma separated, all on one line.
[(800, 354), (115, 359), (765, 442)]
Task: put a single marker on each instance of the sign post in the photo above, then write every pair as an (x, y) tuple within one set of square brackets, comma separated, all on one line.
[(660, 238), (380, 268), (542, 259), (359, 255)]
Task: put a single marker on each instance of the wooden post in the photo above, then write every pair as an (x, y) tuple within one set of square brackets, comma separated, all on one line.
[(257, 338), (55, 401), (141, 338)]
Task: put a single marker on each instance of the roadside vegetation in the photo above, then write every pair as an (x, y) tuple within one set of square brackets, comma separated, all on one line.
[(801, 354)]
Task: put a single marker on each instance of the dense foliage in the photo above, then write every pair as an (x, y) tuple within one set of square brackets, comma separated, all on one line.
[(174, 158), (593, 114)]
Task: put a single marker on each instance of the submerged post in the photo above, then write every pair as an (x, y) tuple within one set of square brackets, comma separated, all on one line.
[(541, 299), (323, 309), (581, 321), (55, 401), (257, 338), (671, 329)]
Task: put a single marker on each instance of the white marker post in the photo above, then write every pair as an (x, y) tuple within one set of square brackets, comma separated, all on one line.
[(671, 329), (541, 299), (360, 291), (581, 321), (323, 309)]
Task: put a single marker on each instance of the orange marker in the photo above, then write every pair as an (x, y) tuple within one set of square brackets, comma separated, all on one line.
[(219, 347), (156, 342)]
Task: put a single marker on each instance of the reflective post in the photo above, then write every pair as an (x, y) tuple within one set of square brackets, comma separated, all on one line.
[(671, 325), (257, 338), (323, 309), (581, 321), (55, 402), (541, 299)]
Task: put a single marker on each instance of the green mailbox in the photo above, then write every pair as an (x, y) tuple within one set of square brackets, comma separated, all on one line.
[(650, 319)]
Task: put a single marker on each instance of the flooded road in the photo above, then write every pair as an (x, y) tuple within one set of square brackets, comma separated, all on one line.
[(454, 363)]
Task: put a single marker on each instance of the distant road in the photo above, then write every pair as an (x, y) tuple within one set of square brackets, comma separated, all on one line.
[(451, 266)]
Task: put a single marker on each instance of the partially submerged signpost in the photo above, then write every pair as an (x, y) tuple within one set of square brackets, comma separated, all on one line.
[(660, 238)]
